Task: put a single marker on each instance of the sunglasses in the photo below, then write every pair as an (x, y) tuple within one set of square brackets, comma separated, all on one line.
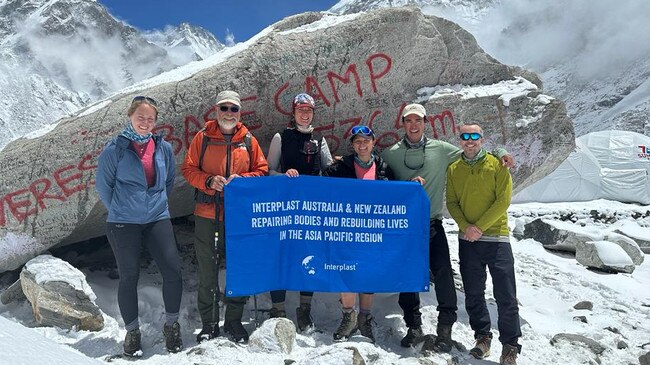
[(413, 159), (362, 129), (232, 108), (144, 98), (472, 136)]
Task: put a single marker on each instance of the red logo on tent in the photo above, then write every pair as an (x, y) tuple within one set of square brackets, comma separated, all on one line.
[(645, 152)]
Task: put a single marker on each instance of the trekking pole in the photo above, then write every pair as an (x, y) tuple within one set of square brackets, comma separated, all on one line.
[(257, 320), (215, 296)]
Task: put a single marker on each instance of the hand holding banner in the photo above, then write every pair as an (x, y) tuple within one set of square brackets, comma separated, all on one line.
[(326, 235)]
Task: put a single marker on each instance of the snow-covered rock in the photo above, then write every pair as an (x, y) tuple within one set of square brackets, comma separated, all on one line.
[(50, 193), (628, 245), (60, 295), (561, 236), (589, 343), (274, 335), (343, 355), (604, 255), (640, 235)]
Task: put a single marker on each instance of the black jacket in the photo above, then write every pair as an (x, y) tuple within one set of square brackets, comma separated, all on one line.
[(345, 168)]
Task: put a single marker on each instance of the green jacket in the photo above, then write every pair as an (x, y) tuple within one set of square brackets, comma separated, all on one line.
[(480, 195), (431, 167)]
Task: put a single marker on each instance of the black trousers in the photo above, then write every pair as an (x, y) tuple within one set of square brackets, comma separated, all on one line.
[(443, 280), (127, 241), (497, 256)]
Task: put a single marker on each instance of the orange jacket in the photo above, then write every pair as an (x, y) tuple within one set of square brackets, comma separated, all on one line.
[(215, 162)]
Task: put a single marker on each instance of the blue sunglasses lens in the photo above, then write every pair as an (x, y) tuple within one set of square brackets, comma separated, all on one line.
[(362, 129), (468, 136)]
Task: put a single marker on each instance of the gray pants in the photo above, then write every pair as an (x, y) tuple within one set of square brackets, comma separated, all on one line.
[(206, 256)]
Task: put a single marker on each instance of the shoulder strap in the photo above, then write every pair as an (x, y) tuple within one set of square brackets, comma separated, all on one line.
[(248, 143), (204, 146)]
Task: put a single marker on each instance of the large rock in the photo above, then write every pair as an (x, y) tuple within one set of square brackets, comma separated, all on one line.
[(587, 342), (640, 235), (348, 355), (628, 245), (60, 295), (275, 335), (561, 236), (361, 68), (604, 255)]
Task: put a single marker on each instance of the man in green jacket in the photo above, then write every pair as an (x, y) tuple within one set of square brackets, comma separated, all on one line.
[(425, 160), (479, 189)]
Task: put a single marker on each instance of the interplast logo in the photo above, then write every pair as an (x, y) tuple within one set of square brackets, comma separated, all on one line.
[(644, 152), (309, 264)]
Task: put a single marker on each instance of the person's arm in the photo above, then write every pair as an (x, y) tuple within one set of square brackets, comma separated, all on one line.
[(452, 153), (258, 165), (105, 175), (275, 152), (501, 203), (325, 155), (453, 203), (502, 154)]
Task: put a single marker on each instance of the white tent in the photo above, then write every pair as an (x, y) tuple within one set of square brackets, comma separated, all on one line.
[(576, 179), (611, 165)]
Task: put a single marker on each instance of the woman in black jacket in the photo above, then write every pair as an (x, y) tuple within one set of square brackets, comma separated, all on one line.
[(365, 164)]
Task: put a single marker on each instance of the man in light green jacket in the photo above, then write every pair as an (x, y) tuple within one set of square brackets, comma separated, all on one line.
[(479, 189)]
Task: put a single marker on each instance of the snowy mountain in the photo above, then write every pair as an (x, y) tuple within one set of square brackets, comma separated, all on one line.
[(590, 54), (58, 55), (185, 43)]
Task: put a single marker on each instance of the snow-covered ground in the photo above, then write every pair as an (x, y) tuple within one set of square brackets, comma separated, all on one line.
[(549, 285)]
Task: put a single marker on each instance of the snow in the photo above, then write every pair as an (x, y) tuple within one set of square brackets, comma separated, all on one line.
[(508, 89), (548, 284), (612, 254), (327, 21), (631, 229), (48, 268)]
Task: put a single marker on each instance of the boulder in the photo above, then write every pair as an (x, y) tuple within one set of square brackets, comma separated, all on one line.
[(604, 255), (644, 359), (355, 78), (628, 245), (275, 335), (13, 293), (585, 304), (592, 345), (640, 235), (561, 236), (60, 295), (348, 355)]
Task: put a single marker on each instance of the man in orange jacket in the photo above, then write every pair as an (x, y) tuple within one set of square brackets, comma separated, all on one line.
[(222, 151)]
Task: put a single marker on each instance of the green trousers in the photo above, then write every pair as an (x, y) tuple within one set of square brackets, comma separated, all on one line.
[(206, 256)]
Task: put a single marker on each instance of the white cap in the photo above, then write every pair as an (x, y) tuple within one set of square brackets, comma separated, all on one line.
[(416, 109)]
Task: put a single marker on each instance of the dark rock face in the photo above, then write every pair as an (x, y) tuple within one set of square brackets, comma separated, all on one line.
[(354, 78)]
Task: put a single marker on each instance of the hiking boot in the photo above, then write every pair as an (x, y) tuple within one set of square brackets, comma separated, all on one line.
[(364, 323), (413, 335), (303, 316), (509, 355), (443, 342), (173, 341), (481, 349), (236, 331), (277, 313), (208, 332), (132, 345), (347, 327)]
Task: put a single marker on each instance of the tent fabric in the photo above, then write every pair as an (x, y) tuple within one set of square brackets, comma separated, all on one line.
[(611, 165), (576, 179)]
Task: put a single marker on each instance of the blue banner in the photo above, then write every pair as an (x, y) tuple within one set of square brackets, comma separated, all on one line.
[(326, 235)]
